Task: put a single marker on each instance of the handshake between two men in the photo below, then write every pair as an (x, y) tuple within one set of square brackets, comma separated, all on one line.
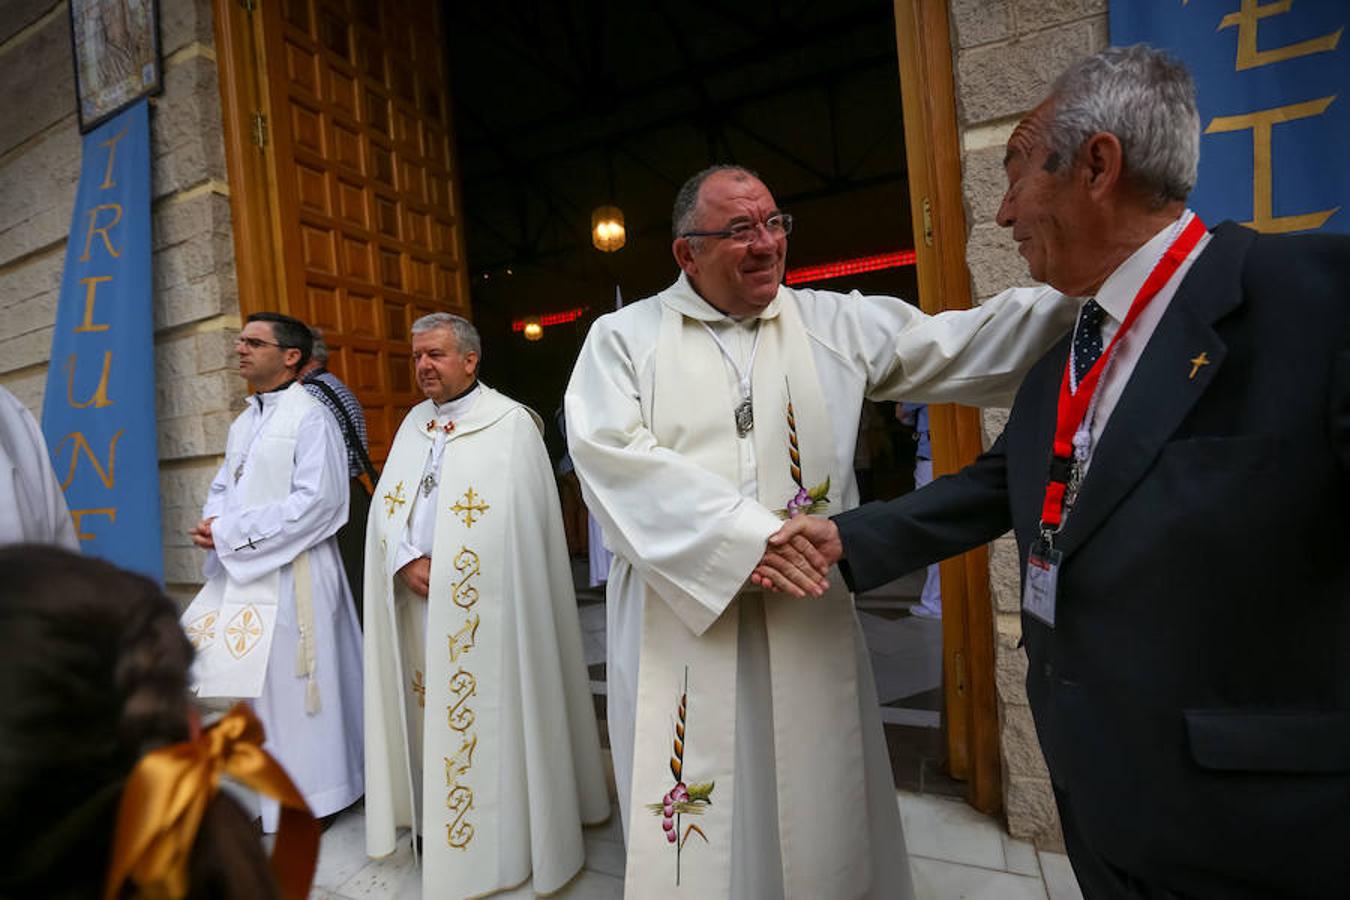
[(798, 557)]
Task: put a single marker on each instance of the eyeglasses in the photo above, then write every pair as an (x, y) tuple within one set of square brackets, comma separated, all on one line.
[(777, 225), (256, 343)]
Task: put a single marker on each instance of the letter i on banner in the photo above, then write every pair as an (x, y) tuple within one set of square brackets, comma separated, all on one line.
[(98, 415)]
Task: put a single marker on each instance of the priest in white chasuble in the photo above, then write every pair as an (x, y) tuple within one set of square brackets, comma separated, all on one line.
[(480, 729), (744, 724), (275, 621)]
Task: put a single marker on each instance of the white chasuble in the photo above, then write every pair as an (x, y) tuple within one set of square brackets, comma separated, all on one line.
[(684, 756), (231, 623), (488, 717)]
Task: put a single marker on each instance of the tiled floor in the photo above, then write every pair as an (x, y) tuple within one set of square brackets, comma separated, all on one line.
[(955, 853)]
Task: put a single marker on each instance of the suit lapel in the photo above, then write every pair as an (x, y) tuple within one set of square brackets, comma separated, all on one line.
[(1161, 391)]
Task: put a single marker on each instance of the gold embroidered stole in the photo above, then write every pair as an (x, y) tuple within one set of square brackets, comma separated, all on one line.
[(462, 730), (683, 786)]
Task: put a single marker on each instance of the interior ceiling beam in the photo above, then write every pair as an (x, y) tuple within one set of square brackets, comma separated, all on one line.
[(783, 42), (713, 124), (778, 149), (722, 108), (523, 51), (529, 184)]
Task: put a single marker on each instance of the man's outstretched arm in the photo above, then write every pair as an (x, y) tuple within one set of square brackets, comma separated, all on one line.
[(881, 541)]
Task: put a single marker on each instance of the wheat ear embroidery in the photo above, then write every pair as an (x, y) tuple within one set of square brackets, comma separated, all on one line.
[(804, 501), (682, 800)]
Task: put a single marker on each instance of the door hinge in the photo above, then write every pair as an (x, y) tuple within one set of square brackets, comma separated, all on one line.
[(927, 223), (259, 129), (249, 5)]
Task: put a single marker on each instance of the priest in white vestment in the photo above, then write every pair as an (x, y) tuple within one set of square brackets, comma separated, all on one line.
[(748, 750), (32, 507), (275, 621), (480, 729)]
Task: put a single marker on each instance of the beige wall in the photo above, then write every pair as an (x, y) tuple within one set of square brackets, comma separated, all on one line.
[(196, 307), (1007, 53)]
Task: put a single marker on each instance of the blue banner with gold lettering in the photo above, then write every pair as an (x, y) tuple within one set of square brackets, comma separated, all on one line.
[(1274, 91), (99, 412)]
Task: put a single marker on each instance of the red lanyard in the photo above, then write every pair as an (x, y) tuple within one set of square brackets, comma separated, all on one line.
[(1073, 405)]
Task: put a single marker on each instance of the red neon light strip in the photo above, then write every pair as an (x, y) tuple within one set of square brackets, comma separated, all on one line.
[(808, 274), (560, 318)]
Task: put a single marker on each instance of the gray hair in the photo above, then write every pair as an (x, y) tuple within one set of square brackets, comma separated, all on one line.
[(686, 200), (466, 336), (1143, 96), (319, 352)]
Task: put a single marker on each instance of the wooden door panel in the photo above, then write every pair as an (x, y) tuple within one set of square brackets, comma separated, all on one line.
[(365, 203)]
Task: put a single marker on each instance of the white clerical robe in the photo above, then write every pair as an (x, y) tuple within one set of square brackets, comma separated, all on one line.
[(320, 749), (691, 537), (480, 729), (32, 508)]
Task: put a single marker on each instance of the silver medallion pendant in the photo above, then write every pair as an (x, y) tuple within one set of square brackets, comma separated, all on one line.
[(745, 417), (428, 485)]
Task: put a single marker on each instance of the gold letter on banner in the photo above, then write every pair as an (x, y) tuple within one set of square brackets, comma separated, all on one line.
[(1247, 18), (79, 514), (90, 286), (111, 144), (1261, 123), (101, 230), (107, 476), (100, 396)]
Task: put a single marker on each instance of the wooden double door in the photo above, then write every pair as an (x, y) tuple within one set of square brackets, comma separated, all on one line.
[(343, 180)]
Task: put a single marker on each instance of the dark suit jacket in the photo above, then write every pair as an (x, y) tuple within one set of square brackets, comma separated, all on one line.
[(1193, 698)]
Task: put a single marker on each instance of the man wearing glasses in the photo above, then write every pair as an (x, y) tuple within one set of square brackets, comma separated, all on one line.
[(698, 419), (275, 621)]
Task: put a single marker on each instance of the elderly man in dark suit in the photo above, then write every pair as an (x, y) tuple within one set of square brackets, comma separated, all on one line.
[(1177, 473)]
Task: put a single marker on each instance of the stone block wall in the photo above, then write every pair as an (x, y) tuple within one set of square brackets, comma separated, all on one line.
[(196, 305), (1006, 55)]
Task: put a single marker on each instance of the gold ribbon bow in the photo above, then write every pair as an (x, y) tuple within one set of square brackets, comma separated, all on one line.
[(168, 792)]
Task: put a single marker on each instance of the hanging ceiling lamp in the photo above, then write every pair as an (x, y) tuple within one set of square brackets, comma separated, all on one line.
[(607, 231)]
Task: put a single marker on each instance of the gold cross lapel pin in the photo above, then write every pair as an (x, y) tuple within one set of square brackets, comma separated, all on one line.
[(1196, 363)]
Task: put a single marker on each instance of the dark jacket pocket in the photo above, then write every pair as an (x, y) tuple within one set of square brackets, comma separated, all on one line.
[(1244, 452), (1269, 741)]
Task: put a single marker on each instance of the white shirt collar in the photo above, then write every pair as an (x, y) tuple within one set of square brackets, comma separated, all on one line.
[(1120, 287)]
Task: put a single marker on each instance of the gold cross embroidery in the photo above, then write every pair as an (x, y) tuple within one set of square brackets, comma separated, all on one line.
[(393, 499), (419, 687), (470, 508)]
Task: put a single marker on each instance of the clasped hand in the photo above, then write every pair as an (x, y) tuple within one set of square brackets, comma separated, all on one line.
[(798, 557)]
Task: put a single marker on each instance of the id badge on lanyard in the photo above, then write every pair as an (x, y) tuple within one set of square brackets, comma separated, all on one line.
[(1039, 592)]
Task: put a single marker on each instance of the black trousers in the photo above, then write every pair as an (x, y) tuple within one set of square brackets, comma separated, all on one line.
[(1097, 877)]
